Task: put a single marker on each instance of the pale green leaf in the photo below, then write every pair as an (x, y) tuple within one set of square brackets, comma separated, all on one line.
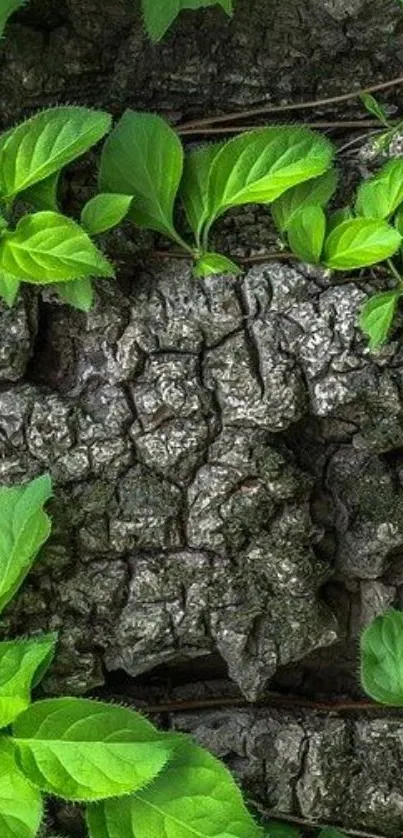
[(215, 263), (381, 195), (306, 234), (23, 663), (78, 293), (258, 166), (104, 212), (360, 242), (143, 157), (43, 195), (382, 659), (315, 192), (9, 287), (21, 808), (80, 749), (375, 108), (48, 247), (377, 316), (160, 14), (194, 184), (7, 7), (45, 143), (194, 797), (24, 528)]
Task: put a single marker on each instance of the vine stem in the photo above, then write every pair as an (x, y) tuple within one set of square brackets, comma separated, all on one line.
[(395, 272), (354, 124), (312, 103), (308, 824)]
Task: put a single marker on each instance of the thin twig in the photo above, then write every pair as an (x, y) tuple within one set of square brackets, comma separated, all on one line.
[(308, 824), (358, 139), (355, 124), (313, 103), (270, 700), (280, 255)]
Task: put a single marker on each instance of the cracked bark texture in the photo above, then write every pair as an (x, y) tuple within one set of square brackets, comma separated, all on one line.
[(226, 453)]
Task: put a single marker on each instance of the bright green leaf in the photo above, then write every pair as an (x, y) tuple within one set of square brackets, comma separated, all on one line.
[(194, 185), (80, 749), (104, 212), (159, 14), (45, 143), (258, 166), (377, 316), (24, 527), (21, 808), (194, 797), (315, 192), (306, 234), (215, 263), (375, 108), (379, 196), (9, 287), (48, 247), (382, 659), (22, 665), (360, 242), (7, 7), (43, 195), (78, 293), (143, 157)]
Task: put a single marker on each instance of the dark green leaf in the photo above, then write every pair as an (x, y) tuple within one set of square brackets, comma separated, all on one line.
[(47, 247), (194, 185), (330, 832), (143, 158), (45, 143), (398, 221), (215, 263), (315, 192), (278, 829), (337, 218), (382, 659), (381, 195), (306, 234), (9, 287), (21, 807), (7, 7), (360, 242), (377, 316), (104, 212), (375, 108), (78, 293), (43, 195), (158, 16), (22, 665)]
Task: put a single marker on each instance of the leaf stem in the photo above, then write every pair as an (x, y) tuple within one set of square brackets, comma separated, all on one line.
[(394, 272)]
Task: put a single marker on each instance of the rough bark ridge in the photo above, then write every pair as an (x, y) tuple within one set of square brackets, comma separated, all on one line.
[(227, 454)]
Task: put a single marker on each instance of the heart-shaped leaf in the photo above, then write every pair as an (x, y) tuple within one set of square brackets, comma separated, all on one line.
[(104, 212), (194, 797), (48, 247), (382, 659), (45, 143), (306, 234), (316, 192), (158, 16), (381, 195), (80, 749), (22, 665), (143, 158), (377, 316), (360, 242), (21, 808), (24, 527)]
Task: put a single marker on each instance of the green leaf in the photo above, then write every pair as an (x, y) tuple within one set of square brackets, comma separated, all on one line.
[(143, 157), (380, 196), (105, 211), (24, 527), (315, 192), (194, 184), (159, 14), (306, 234), (6, 10), (398, 221), (215, 263), (194, 797), (337, 218), (377, 316), (375, 108), (43, 195), (78, 293), (80, 749), (43, 144), (22, 665), (278, 829), (258, 166), (360, 242), (9, 287), (48, 247), (382, 659), (330, 832), (21, 808)]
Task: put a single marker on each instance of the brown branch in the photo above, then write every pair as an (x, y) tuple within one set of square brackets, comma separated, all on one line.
[(270, 700), (309, 824), (270, 109), (355, 124)]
